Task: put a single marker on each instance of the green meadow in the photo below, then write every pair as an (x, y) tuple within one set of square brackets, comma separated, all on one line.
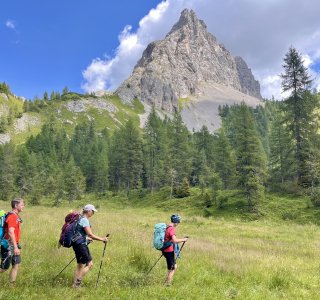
[(228, 256)]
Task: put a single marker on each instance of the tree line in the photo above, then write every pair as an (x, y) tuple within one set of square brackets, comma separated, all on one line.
[(273, 146)]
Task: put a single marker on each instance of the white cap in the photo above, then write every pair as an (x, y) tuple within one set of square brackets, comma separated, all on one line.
[(89, 207)]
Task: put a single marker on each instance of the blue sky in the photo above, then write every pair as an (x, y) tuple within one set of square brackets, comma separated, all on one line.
[(94, 45), (45, 45)]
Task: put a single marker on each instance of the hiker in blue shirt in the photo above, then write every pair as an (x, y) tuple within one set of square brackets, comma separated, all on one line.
[(81, 250)]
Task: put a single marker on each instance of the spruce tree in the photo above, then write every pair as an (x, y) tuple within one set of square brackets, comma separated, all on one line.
[(133, 156), (281, 161), (225, 160), (179, 152), (250, 156), (74, 181), (154, 150), (299, 107)]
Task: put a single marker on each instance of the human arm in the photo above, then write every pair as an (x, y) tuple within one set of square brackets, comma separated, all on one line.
[(177, 241), (91, 235), (13, 241)]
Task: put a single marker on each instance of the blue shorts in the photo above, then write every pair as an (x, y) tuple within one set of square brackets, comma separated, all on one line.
[(7, 259)]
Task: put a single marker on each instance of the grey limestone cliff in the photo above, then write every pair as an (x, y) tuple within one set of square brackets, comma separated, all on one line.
[(178, 66), (248, 83)]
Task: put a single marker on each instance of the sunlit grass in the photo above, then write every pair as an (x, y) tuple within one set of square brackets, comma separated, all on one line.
[(224, 259)]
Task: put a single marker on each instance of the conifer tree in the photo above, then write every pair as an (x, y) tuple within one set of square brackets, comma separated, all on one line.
[(155, 151), (225, 160), (299, 108), (7, 170), (26, 169), (179, 152), (45, 96), (251, 158), (281, 162), (74, 181), (125, 158), (133, 155)]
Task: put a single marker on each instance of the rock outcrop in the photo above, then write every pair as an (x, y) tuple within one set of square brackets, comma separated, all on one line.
[(248, 84), (180, 65)]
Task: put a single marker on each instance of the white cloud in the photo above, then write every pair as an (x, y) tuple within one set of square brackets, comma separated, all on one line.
[(271, 85), (10, 24), (307, 60), (259, 31)]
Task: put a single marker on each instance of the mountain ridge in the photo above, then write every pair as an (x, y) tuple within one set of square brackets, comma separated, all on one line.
[(180, 64)]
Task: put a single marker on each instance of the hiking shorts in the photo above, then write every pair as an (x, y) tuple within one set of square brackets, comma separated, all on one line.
[(7, 259), (82, 254), (170, 260)]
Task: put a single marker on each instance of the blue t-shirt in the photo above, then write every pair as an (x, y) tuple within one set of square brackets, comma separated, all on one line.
[(84, 222)]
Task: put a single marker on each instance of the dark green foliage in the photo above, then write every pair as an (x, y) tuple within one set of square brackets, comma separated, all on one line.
[(7, 186), (45, 96), (4, 88), (74, 181), (6, 171), (155, 151), (182, 190), (299, 110), (215, 185), (250, 155), (207, 200), (179, 151), (262, 123), (315, 197), (126, 158), (225, 159), (203, 159), (281, 160), (90, 154), (165, 156)]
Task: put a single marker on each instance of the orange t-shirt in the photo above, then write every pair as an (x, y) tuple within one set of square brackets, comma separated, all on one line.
[(13, 220)]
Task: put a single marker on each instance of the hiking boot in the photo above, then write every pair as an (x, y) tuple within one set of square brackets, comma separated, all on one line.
[(77, 283)]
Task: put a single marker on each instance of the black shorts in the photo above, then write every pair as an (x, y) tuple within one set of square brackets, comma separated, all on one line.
[(7, 259), (170, 260), (82, 254)]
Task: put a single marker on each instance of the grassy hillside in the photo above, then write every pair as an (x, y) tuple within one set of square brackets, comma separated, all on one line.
[(225, 257), (107, 111)]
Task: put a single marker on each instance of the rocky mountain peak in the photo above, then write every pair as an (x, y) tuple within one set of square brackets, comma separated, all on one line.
[(182, 64), (189, 19)]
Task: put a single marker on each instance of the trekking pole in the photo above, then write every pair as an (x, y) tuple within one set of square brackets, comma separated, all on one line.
[(181, 249), (177, 256), (153, 265), (104, 251), (89, 241), (64, 268)]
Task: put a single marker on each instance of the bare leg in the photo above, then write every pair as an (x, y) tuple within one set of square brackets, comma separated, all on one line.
[(170, 275), (80, 272), (13, 273)]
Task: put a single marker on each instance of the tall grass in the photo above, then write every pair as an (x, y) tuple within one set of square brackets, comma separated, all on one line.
[(223, 259)]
